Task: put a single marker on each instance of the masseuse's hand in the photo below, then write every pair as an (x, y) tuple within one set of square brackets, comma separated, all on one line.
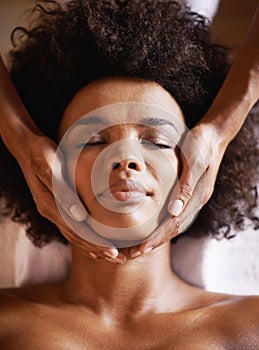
[(35, 154), (205, 144), (36, 163), (201, 155)]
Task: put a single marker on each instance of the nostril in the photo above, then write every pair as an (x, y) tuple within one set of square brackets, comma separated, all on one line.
[(132, 165), (115, 165)]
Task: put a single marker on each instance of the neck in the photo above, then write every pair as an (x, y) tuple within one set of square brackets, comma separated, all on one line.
[(142, 285)]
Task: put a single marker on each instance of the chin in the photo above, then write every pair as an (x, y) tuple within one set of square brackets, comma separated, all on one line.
[(129, 234)]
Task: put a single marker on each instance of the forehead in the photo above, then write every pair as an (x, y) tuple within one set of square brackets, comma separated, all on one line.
[(121, 100)]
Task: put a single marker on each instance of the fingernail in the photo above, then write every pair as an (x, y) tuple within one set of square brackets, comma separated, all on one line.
[(147, 250), (94, 256), (110, 255), (111, 260), (77, 212), (121, 261), (135, 254), (175, 209)]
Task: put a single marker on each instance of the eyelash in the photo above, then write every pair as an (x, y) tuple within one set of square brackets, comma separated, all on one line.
[(148, 143), (154, 144), (88, 144)]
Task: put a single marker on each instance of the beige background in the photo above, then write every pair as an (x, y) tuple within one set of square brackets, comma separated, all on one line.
[(230, 27)]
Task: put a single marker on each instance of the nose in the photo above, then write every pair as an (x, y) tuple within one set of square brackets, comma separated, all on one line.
[(129, 164), (125, 155)]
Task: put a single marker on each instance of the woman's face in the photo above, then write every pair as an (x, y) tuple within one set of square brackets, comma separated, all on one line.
[(122, 155)]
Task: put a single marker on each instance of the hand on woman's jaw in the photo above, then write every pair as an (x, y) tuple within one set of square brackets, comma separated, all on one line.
[(121, 156)]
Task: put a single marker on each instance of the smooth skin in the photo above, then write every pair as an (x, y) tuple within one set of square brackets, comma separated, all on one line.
[(35, 152), (140, 304)]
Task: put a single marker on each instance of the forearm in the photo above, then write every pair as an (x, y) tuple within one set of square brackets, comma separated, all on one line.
[(240, 90), (15, 122)]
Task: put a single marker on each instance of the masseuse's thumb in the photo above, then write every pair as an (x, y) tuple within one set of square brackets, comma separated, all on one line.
[(194, 167), (63, 194)]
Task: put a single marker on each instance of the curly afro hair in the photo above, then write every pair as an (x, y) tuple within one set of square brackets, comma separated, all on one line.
[(69, 45)]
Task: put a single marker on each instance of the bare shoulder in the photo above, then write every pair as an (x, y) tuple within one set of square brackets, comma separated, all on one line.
[(11, 306), (22, 311), (246, 309), (233, 320), (12, 301), (41, 293), (238, 317), (16, 303), (246, 322)]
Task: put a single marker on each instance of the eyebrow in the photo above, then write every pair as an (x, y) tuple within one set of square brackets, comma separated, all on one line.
[(94, 120), (157, 121)]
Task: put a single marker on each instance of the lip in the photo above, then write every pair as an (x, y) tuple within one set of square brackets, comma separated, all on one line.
[(126, 191)]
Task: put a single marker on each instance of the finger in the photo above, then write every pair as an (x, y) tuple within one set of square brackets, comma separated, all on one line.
[(183, 191), (169, 230), (48, 208), (119, 260), (201, 195), (93, 251), (194, 164), (78, 232), (66, 197), (69, 201), (164, 232), (171, 227)]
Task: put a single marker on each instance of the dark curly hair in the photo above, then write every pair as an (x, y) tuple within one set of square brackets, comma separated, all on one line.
[(69, 45)]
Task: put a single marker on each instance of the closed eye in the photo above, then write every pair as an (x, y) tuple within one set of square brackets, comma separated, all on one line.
[(90, 144), (157, 144)]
